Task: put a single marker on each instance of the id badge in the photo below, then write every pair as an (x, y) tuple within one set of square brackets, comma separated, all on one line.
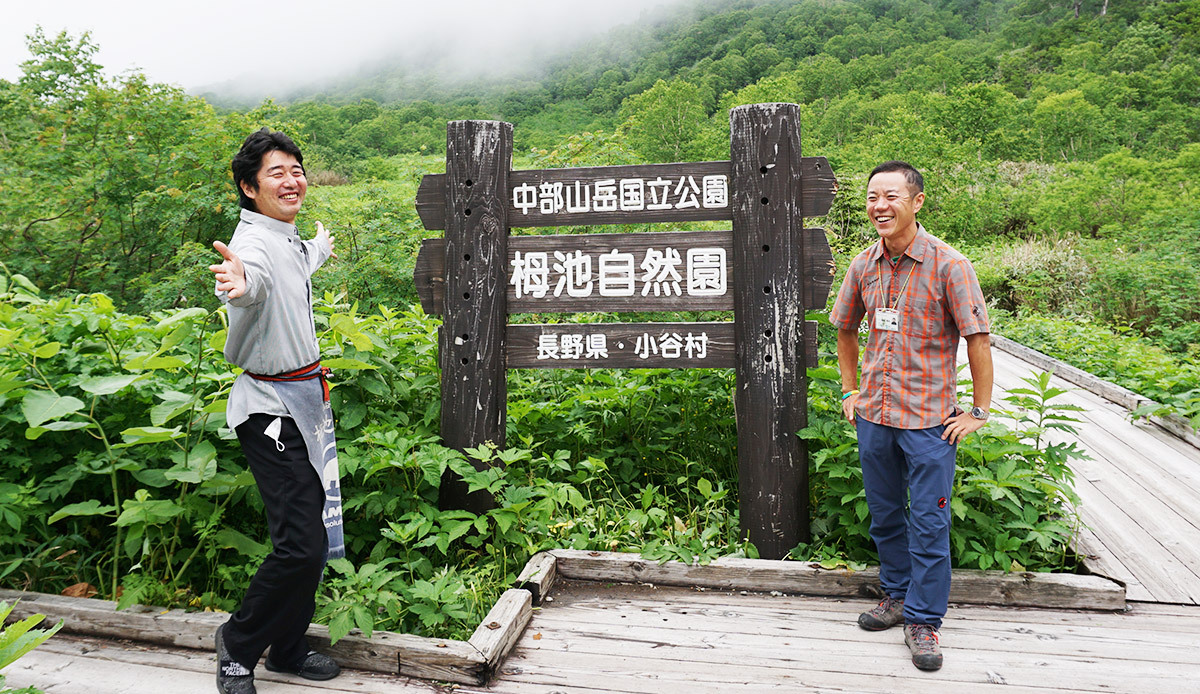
[(887, 319)]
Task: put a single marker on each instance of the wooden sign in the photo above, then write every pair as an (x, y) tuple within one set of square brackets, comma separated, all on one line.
[(654, 271), (685, 192), (630, 346), (768, 270)]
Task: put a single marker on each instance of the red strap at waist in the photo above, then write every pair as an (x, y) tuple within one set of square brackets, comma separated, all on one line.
[(304, 373)]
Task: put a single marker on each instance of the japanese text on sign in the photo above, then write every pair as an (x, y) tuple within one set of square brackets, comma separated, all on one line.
[(699, 272), (625, 195), (595, 346)]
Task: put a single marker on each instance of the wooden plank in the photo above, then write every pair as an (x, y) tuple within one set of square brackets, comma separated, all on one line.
[(677, 617), (99, 665), (538, 577), (732, 573), (83, 673), (622, 346), (1136, 549), (502, 626), (437, 659), (884, 667), (771, 395), (819, 192), (1097, 559), (1134, 623), (429, 274), (471, 340), (743, 637)]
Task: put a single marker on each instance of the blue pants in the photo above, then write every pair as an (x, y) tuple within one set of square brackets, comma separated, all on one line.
[(908, 475)]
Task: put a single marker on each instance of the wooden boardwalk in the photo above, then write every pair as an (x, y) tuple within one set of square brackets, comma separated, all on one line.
[(1139, 494), (596, 638), (1140, 498)]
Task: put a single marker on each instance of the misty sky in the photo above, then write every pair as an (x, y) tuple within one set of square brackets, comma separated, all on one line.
[(284, 44)]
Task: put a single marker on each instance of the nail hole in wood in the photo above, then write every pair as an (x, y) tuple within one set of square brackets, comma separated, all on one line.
[(767, 289), (466, 296), (766, 248), (768, 332), (767, 358), (468, 361), (466, 336), (466, 256), (468, 183), (467, 212), (765, 201), (763, 169)]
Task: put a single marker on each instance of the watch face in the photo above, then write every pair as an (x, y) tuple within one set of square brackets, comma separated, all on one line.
[(979, 413)]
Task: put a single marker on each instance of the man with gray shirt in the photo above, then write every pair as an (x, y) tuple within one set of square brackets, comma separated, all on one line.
[(279, 407)]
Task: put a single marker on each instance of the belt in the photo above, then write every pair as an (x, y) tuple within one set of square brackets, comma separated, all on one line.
[(304, 373)]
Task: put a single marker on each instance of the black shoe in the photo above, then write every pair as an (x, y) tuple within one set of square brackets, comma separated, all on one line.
[(232, 677), (888, 613), (314, 666)]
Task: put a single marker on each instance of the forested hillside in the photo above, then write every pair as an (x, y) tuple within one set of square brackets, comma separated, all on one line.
[(1060, 140)]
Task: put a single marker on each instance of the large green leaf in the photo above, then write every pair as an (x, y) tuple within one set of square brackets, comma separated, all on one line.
[(154, 361), (185, 314), (199, 466), (33, 433), (41, 406), (19, 638), (91, 507), (229, 538), (23, 282), (107, 385), (138, 435), (142, 509)]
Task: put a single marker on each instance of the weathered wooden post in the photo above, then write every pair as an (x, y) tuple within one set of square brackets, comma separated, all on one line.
[(771, 396), (471, 344)]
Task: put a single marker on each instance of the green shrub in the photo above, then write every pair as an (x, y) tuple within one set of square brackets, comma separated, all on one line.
[(1121, 357)]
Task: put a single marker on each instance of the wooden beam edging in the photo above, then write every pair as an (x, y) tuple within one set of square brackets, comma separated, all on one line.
[(1171, 423), (538, 576), (446, 660), (1026, 589)]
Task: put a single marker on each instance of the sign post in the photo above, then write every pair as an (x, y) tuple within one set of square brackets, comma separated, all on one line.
[(768, 270), (471, 342)]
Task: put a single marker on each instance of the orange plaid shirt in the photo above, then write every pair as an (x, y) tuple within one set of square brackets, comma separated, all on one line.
[(909, 376)]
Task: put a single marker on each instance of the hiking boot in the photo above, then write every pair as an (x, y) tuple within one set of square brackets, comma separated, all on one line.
[(314, 666), (922, 640), (888, 613), (232, 676)]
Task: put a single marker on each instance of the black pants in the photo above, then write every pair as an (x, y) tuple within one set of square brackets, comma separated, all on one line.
[(281, 599)]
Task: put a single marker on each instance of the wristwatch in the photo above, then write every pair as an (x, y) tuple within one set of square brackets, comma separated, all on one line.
[(979, 413)]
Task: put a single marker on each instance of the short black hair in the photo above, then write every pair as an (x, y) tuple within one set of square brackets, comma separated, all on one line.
[(248, 160), (916, 182)]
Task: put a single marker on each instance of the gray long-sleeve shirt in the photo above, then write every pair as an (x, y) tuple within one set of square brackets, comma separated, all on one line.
[(271, 327)]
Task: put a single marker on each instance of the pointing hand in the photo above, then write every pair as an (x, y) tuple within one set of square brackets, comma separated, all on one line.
[(231, 274), (323, 234)]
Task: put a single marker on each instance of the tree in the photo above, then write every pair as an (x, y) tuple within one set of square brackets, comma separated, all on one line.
[(665, 122), (103, 180)]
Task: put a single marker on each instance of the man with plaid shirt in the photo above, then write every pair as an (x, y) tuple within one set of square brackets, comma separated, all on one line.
[(918, 295)]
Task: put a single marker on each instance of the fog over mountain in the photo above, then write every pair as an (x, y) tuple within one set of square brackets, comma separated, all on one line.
[(244, 52)]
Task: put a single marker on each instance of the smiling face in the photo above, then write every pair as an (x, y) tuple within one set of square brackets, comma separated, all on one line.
[(892, 208), (281, 186)]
